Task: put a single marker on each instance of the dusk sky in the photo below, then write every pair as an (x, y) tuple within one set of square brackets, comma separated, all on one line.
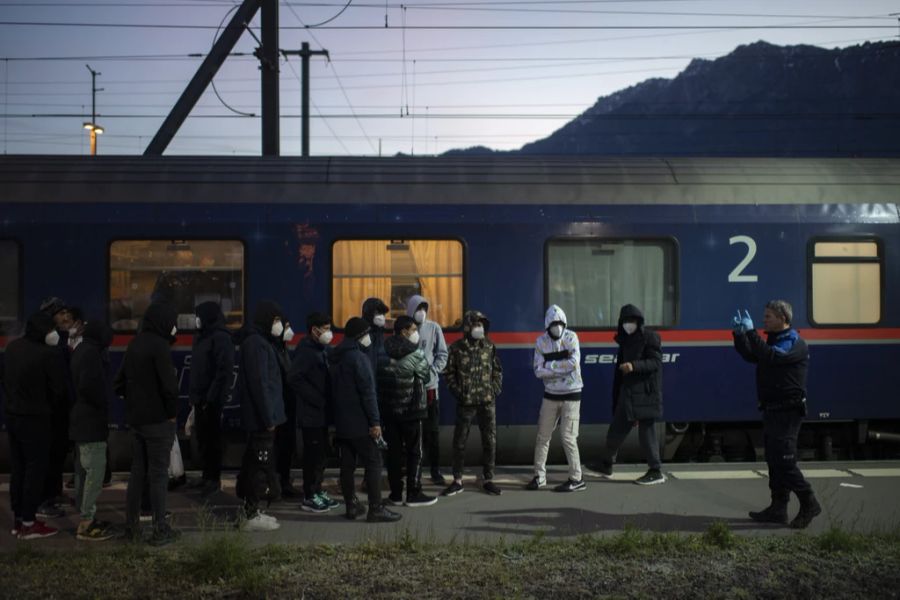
[(498, 73)]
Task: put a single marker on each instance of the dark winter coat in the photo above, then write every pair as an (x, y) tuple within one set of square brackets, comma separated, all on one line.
[(33, 376), (259, 384), (308, 377), (473, 372), (147, 378), (352, 391), (402, 381), (212, 359), (375, 352), (89, 418), (640, 390), (781, 364)]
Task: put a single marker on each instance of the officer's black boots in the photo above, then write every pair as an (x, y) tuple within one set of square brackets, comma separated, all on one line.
[(381, 514), (775, 512), (809, 509)]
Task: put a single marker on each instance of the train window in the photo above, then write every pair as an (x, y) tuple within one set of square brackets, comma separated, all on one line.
[(9, 291), (394, 270), (183, 272), (845, 282), (593, 278)]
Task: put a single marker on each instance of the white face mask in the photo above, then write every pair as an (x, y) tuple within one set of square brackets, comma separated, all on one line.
[(629, 327), (478, 333), (288, 334), (198, 323), (365, 341), (419, 316), (378, 320), (277, 329), (174, 331), (556, 331), (414, 338), (326, 337), (52, 338)]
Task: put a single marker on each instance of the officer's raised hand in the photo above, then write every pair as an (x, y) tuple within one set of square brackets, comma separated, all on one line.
[(746, 321)]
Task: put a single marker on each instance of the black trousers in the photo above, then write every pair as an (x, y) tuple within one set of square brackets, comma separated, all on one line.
[(257, 479), (286, 440), (431, 430), (314, 441), (780, 431), (619, 429), (150, 450), (208, 424), (404, 440), (364, 449), (59, 447), (29, 445)]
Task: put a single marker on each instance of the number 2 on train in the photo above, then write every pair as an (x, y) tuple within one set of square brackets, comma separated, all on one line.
[(737, 275)]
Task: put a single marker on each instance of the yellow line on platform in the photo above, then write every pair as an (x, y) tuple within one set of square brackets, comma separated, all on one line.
[(876, 472)]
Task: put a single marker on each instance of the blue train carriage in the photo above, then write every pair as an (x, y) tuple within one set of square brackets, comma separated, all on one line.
[(687, 240)]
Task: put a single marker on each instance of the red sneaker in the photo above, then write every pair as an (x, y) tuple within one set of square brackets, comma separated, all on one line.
[(37, 531)]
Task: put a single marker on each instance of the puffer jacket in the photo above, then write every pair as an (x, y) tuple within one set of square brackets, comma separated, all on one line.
[(401, 382), (640, 390), (558, 362), (259, 385), (474, 374), (352, 391), (431, 342)]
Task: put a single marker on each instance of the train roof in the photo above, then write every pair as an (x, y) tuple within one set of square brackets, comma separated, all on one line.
[(451, 180)]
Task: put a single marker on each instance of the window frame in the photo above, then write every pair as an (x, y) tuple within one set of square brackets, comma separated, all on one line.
[(20, 276), (812, 259), (339, 327), (108, 275), (676, 271)]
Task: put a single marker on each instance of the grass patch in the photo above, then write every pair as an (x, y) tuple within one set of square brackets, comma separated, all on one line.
[(720, 535)]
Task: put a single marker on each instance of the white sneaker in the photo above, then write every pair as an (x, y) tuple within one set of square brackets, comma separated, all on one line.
[(260, 523), (267, 517)]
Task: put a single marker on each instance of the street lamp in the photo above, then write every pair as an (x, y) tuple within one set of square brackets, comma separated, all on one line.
[(95, 131), (92, 124)]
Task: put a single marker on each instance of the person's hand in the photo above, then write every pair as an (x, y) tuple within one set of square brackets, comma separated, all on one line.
[(272, 428), (626, 368), (746, 321), (736, 326), (375, 432)]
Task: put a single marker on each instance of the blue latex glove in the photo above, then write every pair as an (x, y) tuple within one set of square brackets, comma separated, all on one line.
[(736, 323), (746, 321)]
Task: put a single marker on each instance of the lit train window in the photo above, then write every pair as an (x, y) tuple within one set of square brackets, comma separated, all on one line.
[(845, 282), (591, 279), (183, 272), (394, 270), (9, 291)]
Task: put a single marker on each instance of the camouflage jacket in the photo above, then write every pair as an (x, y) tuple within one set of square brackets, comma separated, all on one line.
[(473, 372)]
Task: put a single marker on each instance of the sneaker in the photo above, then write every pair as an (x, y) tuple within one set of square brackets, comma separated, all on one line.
[(771, 514), (420, 499), (314, 505), (535, 484), (328, 500), (36, 530), (147, 516), (354, 510), (571, 486), (651, 477), (603, 469), (164, 536), (95, 532), (177, 482), (491, 488), (809, 509), (437, 478), (289, 491), (48, 510), (17, 526), (453, 489), (210, 487), (381, 514), (260, 522), (395, 499)]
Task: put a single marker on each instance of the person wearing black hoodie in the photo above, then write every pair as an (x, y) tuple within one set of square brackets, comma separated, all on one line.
[(35, 384), (148, 383), (89, 425), (212, 369), (286, 433), (637, 393), (260, 390), (357, 421), (308, 377), (375, 312)]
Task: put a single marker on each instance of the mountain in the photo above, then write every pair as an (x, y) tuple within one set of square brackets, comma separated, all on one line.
[(760, 99)]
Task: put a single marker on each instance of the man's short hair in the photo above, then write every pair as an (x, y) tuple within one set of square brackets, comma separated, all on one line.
[(403, 323), (781, 308), (316, 319)]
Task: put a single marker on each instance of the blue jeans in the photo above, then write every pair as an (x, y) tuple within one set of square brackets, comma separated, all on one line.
[(90, 467)]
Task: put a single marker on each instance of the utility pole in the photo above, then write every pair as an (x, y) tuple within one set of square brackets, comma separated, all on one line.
[(304, 53), (92, 126)]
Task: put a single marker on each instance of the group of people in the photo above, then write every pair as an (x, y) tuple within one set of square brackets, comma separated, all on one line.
[(378, 392)]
